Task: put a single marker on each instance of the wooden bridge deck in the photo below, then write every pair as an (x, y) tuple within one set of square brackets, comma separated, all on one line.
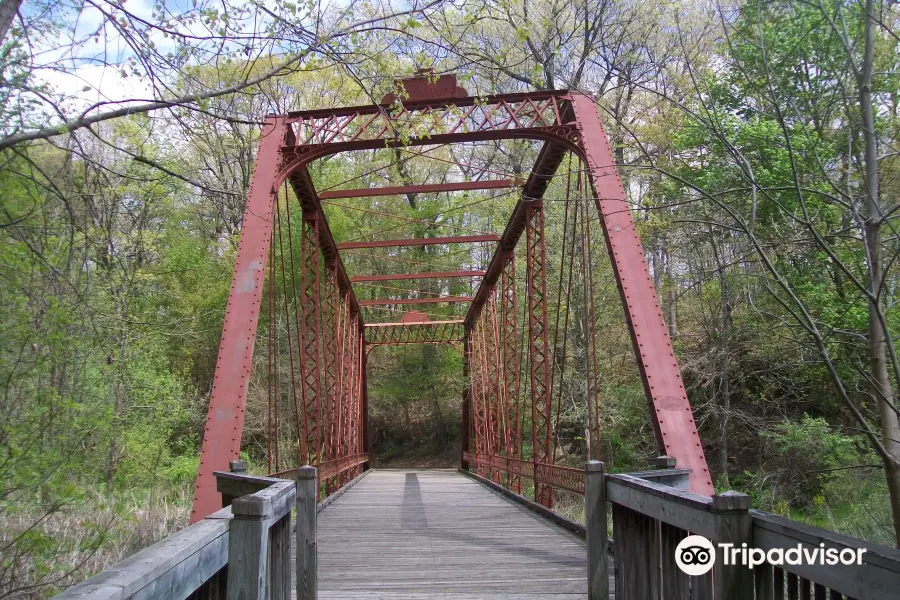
[(435, 534)]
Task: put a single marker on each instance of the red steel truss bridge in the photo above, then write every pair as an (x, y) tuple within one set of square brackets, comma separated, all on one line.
[(290, 272), (291, 383)]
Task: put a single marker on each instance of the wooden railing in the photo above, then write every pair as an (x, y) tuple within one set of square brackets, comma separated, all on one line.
[(650, 519), (241, 552)]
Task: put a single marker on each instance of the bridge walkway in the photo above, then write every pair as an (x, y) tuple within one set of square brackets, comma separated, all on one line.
[(436, 534)]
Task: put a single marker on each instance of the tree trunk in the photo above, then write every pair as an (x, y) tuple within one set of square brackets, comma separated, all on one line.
[(882, 391), (8, 11), (724, 408)]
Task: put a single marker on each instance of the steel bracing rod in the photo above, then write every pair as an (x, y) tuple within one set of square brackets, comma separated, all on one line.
[(363, 395), (287, 317), (593, 377), (673, 421), (510, 361), (408, 276), (539, 350), (483, 389), (488, 390), (481, 432), (350, 391), (343, 397), (329, 408), (364, 398), (454, 239), (548, 161), (466, 428), (272, 374), (427, 188), (487, 387), (497, 396)]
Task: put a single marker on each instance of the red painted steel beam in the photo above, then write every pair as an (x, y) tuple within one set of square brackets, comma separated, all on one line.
[(673, 421), (404, 324), (406, 276), (425, 188), (416, 300), (225, 416), (368, 109), (458, 239)]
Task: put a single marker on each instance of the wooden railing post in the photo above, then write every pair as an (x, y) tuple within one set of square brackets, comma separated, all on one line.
[(259, 550), (248, 550), (595, 529), (307, 494), (733, 525)]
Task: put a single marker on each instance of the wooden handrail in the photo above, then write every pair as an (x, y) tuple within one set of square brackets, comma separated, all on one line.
[(189, 561), (251, 538), (650, 519)]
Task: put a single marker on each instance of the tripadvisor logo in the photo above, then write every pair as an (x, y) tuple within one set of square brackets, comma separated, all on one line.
[(696, 555)]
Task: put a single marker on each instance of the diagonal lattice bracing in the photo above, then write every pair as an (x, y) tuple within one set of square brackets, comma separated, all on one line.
[(539, 348), (310, 368), (463, 116), (428, 332)]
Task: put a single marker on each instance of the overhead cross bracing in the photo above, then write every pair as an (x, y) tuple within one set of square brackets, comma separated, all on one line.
[(294, 289)]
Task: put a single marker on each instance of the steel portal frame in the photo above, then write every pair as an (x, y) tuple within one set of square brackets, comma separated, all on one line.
[(566, 122)]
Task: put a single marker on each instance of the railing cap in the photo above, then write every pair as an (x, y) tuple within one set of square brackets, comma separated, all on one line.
[(306, 472), (266, 503), (594, 466), (731, 500)]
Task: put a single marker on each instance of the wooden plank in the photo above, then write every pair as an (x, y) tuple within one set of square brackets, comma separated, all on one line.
[(684, 510), (765, 588), (280, 576), (237, 484), (676, 478), (674, 582), (412, 535)]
